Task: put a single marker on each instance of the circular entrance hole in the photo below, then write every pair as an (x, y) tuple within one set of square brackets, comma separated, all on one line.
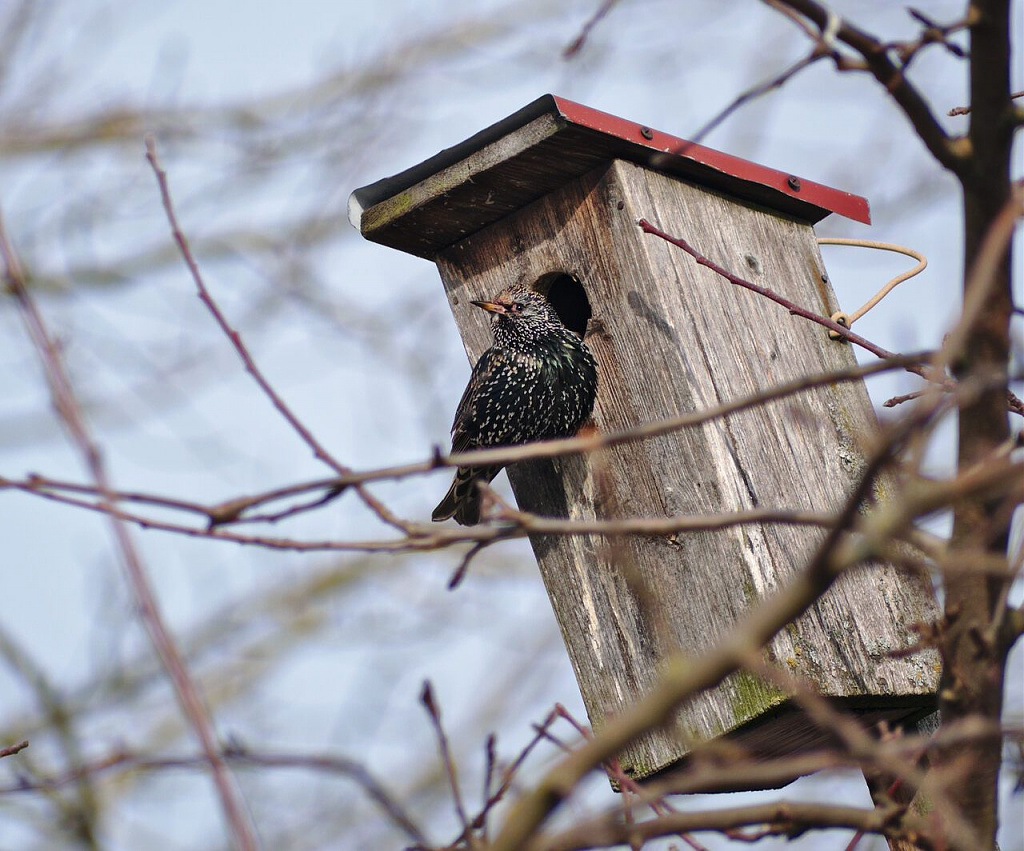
[(567, 296)]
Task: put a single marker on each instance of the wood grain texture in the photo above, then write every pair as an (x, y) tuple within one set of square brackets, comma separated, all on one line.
[(671, 337)]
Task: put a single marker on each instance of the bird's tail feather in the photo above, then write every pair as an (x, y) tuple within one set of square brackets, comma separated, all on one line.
[(463, 498)]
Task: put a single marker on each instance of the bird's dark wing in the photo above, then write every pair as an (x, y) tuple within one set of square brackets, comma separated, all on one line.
[(463, 428)]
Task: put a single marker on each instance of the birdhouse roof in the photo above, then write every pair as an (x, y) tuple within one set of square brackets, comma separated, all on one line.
[(543, 146)]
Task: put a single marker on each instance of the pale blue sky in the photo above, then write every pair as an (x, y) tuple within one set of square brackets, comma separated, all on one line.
[(669, 65)]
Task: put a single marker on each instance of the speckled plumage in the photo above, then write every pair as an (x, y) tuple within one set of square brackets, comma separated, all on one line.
[(537, 382)]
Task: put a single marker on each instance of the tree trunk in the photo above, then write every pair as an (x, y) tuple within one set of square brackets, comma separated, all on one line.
[(973, 647)]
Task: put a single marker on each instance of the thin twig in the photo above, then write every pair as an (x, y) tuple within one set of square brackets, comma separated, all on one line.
[(490, 763), (509, 773), (319, 452), (906, 397), (929, 373), (218, 514), (576, 45), (10, 750), (966, 110), (758, 91), (460, 572), (791, 306), (434, 711)]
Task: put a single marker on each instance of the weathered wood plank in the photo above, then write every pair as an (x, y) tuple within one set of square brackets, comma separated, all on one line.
[(670, 337)]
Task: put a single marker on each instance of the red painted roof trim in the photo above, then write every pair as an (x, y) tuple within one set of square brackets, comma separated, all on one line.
[(835, 200)]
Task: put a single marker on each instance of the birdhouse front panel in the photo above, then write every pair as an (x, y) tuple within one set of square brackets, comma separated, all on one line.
[(671, 337)]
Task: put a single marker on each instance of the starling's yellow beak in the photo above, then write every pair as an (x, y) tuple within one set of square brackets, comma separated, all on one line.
[(491, 306)]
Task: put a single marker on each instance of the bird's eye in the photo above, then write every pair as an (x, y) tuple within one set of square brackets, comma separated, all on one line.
[(517, 306)]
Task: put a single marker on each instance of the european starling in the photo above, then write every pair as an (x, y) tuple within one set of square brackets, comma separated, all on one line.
[(537, 382)]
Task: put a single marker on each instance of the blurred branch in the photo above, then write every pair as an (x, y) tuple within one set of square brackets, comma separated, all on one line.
[(824, 47), (129, 761), (13, 29), (78, 816), (278, 617), (873, 757), (760, 90), (66, 404), (342, 86), (720, 763), (787, 818), (576, 45)]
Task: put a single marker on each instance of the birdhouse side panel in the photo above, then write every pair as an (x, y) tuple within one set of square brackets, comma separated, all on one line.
[(805, 452)]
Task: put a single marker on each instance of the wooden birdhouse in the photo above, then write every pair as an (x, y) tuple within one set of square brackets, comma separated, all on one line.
[(551, 197)]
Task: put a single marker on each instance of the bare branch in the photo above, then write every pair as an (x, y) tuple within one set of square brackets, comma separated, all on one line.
[(949, 152), (930, 373), (788, 818), (507, 525), (319, 452), (791, 306), (221, 513), (428, 701)]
